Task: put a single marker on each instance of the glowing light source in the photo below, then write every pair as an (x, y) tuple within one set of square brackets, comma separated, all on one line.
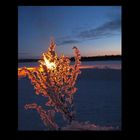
[(50, 65), (57, 85)]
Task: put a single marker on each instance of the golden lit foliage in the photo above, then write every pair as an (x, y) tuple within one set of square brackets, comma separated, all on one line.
[(55, 79), (46, 116)]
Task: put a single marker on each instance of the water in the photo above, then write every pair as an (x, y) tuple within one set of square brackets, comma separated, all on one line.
[(98, 99), (97, 64)]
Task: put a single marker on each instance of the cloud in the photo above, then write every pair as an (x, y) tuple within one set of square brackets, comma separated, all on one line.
[(71, 41), (107, 29)]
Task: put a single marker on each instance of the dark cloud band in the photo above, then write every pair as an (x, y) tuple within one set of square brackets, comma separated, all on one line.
[(105, 30)]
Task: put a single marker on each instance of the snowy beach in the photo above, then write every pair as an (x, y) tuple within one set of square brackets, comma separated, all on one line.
[(97, 101)]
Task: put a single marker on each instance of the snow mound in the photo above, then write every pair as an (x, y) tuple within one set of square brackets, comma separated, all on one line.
[(75, 125)]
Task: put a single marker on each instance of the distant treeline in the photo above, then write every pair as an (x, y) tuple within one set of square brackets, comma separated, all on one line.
[(27, 60), (93, 58), (100, 58)]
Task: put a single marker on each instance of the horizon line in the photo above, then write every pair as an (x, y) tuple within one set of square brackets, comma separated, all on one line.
[(81, 56)]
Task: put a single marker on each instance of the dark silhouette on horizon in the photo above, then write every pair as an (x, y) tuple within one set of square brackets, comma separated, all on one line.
[(88, 58)]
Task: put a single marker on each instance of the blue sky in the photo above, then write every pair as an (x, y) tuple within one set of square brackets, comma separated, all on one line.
[(95, 30)]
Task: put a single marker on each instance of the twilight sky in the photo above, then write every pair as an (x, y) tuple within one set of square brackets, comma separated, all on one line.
[(95, 30)]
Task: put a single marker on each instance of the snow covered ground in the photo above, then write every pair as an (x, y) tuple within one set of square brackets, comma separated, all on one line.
[(97, 102)]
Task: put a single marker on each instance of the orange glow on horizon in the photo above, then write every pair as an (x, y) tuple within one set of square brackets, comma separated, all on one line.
[(23, 74)]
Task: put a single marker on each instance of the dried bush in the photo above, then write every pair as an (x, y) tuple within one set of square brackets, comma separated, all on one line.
[(55, 79)]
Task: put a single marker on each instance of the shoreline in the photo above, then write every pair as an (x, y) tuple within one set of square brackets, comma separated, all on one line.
[(91, 58), (92, 69)]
